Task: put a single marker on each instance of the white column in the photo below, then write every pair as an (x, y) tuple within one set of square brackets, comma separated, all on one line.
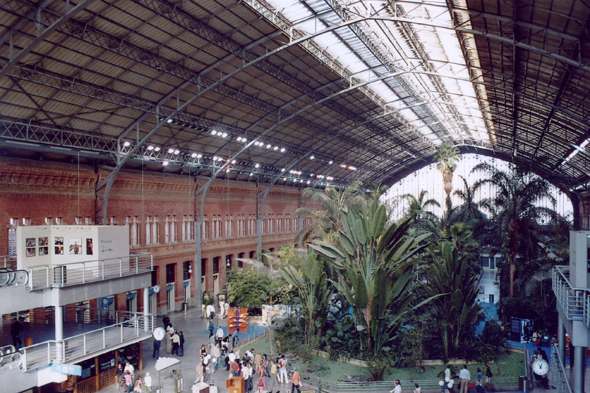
[(579, 368), (561, 339), (146, 308), (59, 333)]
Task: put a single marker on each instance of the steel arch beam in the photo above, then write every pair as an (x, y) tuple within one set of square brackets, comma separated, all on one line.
[(41, 35), (298, 38)]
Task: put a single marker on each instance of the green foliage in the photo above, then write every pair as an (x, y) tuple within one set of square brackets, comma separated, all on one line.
[(376, 272), (453, 283), (248, 289), (417, 211), (493, 335), (515, 211), (446, 158)]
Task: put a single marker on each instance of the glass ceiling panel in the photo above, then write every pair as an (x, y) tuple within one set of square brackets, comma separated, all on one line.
[(450, 104)]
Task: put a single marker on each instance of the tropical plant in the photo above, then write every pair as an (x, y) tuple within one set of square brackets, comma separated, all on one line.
[(448, 273), (446, 158), (417, 211), (311, 283), (461, 236), (376, 267), (515, 211), (248, 289), (331, 202), (468, 211)]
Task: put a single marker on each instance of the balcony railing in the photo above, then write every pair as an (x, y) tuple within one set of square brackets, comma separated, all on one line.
[(131, 327), (558, 375), (575, 302), (48, 276), (8, 261)]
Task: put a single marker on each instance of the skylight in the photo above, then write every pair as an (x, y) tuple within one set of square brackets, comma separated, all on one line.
[(444, 105)]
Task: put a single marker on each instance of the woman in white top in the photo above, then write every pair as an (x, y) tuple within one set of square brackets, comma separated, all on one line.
[(397, 387), (417, 388)]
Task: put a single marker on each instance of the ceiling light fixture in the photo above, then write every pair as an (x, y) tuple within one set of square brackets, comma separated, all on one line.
[(257, 166), (331, 162), (177, 152), (170, 151), (157, 148), (282, 149), (150, 147), (165, 163), (224, 135), (169, 121), (199, 155), (268, 146), (312, 157), (126, 143), (213, 132)]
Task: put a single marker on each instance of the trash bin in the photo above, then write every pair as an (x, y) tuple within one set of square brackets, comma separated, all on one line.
[(491, 298), (523, 386), (184, 306)]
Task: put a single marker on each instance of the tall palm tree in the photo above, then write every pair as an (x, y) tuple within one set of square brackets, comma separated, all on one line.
[(417, 212), (469, 210), (446, 158), (448, 274), (514, 208), (332, 202)]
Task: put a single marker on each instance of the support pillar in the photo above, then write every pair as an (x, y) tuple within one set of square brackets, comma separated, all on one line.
[(579, 369), (59, 333), (300, 227), (198, 267), (146, 308), (259, 227), (561, 339)]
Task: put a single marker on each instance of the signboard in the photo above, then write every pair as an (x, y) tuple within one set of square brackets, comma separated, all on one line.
[(68, 369)]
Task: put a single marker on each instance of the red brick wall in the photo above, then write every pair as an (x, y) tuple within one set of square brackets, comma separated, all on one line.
[(36, 190)]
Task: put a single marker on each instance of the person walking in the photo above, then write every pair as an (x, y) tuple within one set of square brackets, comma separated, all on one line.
[(129, 368), (489, 374), (181, 344), (448, 373), (199, 372), (219, 334), (295, 381), (246, 374), (262, 382), (156, 353), (15, 330), (148, 381), (417, 388), (128, 382), (282, 376), (397, 387), (216, 353), (203, 351), (478, 377), (257, 360), (465, 377), (166, 321), (175, 342), (169, 341)]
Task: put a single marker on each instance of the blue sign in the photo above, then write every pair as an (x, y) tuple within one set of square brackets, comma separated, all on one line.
[(67, 369)]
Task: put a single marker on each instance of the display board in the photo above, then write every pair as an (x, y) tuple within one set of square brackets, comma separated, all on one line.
[(59, 244), (237, 319)]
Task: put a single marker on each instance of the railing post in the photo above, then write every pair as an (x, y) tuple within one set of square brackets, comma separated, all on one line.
[(151, 262), (104, 339), (47, 270), (121, 325), (83, 273), (62, 275), (102, 264), (136, 266), (85, 350), (31, 279), (120, 267), (136, 327)]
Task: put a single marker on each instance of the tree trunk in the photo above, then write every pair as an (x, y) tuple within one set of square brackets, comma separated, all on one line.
[(448, 183), (513, 243)]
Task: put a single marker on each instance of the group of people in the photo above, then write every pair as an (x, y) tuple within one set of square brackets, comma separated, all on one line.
[(127, 375), (174, 340)]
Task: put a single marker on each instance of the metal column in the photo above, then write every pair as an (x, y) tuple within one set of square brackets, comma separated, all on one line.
[(259, 226), (579, 369), (198, 267), (59, 333), (146, 308), (561, 338)]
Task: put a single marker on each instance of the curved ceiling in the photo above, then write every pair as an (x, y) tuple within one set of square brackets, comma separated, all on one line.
[(295, 91)]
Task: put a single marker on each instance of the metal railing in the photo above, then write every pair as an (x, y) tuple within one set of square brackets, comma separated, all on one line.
[(575, 302), (129, 327), (8, 261), (344, 386), (558, 375), (77, 273)]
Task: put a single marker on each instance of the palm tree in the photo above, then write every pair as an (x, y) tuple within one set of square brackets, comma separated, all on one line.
[(417, 212), (448, 274), (514, 208), (469, 211), (332, 202), (376, 267), (446, 158)]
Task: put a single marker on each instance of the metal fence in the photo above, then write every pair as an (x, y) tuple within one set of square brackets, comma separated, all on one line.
[(575, 302), (376, 386), (47, 276), (558, 375), (129, 327)]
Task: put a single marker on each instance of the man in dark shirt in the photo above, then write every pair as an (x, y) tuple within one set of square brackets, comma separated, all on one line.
[(15, 330), (156, 353)]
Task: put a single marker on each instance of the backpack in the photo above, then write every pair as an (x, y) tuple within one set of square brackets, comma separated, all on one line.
[(281, 363), (273, 369), (489, 387)]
